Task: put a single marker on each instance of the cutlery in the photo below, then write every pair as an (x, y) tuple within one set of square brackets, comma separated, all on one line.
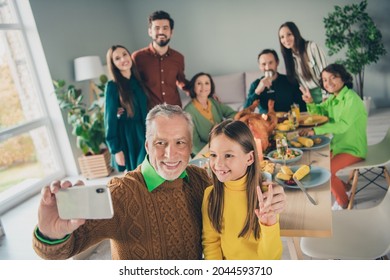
[(302, 187), (321, 154)]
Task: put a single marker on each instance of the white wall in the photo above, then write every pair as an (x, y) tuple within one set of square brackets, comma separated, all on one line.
[(225, 36), (216, 36), (73, 28)]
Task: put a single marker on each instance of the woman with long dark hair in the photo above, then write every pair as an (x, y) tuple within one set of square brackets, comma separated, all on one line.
[(125, 111), (304, 60)]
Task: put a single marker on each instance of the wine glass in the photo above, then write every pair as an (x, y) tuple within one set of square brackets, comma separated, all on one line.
[(285, 148), (268, 74), (281, 147)]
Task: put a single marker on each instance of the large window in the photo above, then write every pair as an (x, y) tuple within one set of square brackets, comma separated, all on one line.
[(29, 156)]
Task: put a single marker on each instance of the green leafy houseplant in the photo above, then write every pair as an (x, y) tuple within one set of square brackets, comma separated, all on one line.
[(350, 28), (87, 122)]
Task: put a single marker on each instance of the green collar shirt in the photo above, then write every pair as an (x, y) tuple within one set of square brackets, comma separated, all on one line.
[(347, 122), (152, 178)]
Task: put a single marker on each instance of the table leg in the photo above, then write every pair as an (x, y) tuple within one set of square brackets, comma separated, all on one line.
[(2, 231), (294, 248), (387, 176)]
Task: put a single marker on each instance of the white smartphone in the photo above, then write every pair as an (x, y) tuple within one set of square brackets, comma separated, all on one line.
[(85, 202)]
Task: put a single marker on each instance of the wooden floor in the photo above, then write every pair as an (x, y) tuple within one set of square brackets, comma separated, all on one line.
[(19, 222)]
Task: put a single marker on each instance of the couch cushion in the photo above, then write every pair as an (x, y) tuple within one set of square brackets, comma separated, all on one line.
[(250, 77), (185, 99), (230, 88), (238, 106)]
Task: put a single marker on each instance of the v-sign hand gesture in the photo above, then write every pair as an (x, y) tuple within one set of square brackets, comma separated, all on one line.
[(265, 214), (306, 95)]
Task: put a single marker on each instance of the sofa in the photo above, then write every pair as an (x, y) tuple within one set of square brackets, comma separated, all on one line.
[(231, 89)]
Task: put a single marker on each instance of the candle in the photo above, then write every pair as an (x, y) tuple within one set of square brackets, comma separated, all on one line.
[(259, 148)]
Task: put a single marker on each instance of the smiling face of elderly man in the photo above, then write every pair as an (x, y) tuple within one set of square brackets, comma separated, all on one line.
[(168, 140)]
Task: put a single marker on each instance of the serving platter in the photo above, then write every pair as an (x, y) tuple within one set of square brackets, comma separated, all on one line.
[(315, 120)]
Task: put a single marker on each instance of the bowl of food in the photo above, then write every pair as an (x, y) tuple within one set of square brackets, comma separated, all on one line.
[(285, 126), (282, 116), (292, 155), (267, 166)]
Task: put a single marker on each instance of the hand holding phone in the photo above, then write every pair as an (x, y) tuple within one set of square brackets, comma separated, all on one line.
[(85, 202)]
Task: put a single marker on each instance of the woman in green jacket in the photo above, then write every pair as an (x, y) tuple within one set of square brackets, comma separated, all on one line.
[(204, 109), (125, 111), (347, 123)]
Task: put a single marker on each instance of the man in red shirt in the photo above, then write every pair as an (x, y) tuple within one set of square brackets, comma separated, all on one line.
[(161, 68)]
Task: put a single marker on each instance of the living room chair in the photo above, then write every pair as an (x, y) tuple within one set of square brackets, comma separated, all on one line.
[(378, 156), (361, 234)]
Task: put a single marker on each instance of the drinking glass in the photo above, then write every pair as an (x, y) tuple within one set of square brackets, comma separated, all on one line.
[(293, 119), (295, 108), (269, 74)]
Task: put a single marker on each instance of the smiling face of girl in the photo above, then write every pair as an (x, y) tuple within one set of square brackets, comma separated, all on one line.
[(228, 161)]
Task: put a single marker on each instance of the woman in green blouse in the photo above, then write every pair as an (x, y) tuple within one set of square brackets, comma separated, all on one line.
[(204, 109), (347, 123), (125, 111)]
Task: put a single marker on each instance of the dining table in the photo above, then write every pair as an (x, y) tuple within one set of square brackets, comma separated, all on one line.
[(300, 217)]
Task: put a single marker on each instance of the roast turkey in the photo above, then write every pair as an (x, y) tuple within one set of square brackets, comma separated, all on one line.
[(261, 125)]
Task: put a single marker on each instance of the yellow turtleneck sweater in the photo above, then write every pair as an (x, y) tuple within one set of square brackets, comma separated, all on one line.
[(227, 244)]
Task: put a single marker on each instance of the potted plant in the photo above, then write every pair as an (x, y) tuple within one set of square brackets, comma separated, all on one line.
[(88, 126), (351, 29)]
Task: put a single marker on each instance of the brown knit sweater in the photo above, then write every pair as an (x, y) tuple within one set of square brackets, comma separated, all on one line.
[(162, 224)]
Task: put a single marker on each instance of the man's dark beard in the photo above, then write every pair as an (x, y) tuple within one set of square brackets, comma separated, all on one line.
[(162, 43)]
